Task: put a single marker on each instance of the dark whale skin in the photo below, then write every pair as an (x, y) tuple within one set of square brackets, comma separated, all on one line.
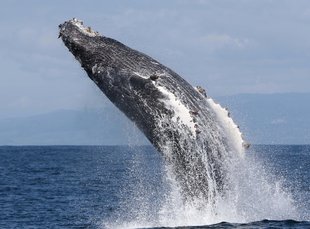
[(175, 117)]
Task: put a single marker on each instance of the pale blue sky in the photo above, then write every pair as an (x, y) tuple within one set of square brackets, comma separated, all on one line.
[(229, 47)]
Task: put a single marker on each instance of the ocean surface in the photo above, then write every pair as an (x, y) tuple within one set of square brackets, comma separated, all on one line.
[(123, 186)]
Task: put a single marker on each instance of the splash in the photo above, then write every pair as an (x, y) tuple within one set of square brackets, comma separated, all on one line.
[(250, 192), (206, 172)]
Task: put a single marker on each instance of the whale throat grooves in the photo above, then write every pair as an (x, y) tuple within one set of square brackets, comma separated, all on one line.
[(196, 136)]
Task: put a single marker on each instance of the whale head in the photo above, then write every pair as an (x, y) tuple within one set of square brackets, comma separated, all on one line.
[(127, 77), (83, 43)]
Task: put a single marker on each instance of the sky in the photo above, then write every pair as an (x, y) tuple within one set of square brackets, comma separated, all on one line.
[(227, 46)]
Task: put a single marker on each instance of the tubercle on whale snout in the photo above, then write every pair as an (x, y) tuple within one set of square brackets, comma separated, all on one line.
[(79, 25)]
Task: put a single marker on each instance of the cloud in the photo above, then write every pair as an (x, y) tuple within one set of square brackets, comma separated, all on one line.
[(219, 41), (278, 121), (229, 47)]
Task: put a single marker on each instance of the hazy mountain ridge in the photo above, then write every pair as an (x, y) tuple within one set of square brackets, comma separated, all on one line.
[(263, 118), (67, 127), (272, 118)]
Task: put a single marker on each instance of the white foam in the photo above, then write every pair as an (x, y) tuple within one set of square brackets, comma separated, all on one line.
[(253, 193), (181, 112)]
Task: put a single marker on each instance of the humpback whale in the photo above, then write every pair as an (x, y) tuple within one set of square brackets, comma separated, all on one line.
[(186, 126)]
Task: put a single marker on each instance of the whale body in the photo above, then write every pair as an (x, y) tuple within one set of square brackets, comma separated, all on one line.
[(182, 122)]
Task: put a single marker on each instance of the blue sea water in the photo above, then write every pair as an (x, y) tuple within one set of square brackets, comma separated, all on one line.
[(96, 186)]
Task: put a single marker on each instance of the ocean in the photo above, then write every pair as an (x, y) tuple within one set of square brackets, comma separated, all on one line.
[(127, 187)]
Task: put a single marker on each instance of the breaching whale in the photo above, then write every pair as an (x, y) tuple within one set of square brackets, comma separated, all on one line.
[(188, 128)]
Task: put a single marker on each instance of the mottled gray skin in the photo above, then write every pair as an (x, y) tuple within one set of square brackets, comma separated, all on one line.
[(113, 67)]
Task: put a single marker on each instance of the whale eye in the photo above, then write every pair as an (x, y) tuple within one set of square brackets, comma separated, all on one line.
[(59, 26), (154, 77)]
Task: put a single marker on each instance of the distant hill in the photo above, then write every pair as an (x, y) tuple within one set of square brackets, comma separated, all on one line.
[(71, 127), (272, 118), (263, 118)]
